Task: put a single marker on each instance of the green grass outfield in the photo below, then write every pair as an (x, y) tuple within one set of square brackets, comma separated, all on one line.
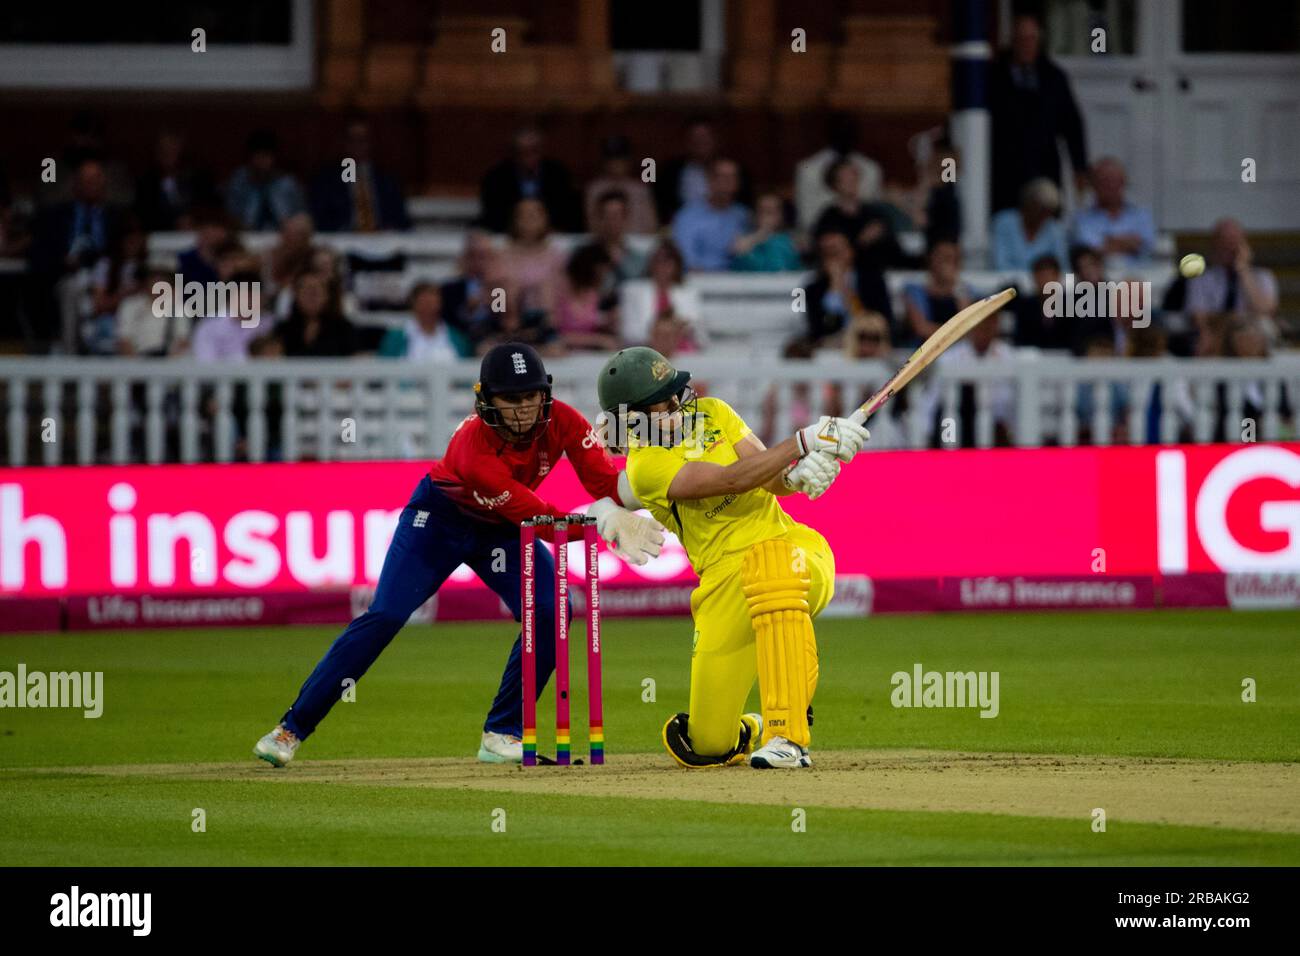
[(1137, 687)]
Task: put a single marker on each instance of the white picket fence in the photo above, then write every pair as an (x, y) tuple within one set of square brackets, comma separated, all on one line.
[(84, 411)]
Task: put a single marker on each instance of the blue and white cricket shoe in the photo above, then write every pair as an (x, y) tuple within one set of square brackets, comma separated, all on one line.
[(781, 754)]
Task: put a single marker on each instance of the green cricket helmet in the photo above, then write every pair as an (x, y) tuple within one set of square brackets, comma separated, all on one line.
[(636, 378)]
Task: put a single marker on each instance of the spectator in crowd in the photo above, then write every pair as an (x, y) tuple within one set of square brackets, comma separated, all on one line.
[(1100, 345), (526, 174), (291, 254), (1231, 284), (609, 227), (932, 204), (1089, 269), (866, 339), (142, 332), (68, 238), (1032, 107), (425, 336), (531, 266), (1112, 225), (227, 337), (706, 230), (981, 345), (108, 282), (1023, 234), (616, 177), (168, 195), (316, 327), (687, 179), (372, 201), (582, 324), (261, 195), (85, 140), (1037, 323), (1143, 343), (841, 289), (800, 397), (215, 229), (671, 335), (928, 305), (768, 248), (663, 293), (467, 299), (812, 192), (866, 223)]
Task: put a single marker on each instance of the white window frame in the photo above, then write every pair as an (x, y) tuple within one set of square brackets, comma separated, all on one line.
[(166, 67)]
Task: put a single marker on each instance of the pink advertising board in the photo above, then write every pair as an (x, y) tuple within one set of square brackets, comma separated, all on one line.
[(942, 530)]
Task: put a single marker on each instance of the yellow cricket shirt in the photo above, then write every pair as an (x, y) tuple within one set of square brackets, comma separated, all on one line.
[(710, 529)]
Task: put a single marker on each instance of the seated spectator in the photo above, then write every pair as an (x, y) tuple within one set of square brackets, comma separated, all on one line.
[(841, 289), (532, 268), (706, 231), (582, 324), (291, 254), (616, 176), (169, 194), (316, 327), (261, 195), (932, 204), (142, 332), (1037, 325), (866, 339), (1100, 346), (1231, 284), (113, 278), (609, 228), (769, 247), (981, 344), (684, 180), (813, 192), (214, 231), (1149, 342), (867, 224), (467, 299), (372, 202), (928, 305), (227, 337), (672, 335), (1113, 226), (424, 336), (526, 174), (1022, 235), (68, 238), (643, 301)]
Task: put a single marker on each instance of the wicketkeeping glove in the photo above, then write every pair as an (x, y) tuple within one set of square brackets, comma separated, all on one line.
[(841, 437), (634, 538)]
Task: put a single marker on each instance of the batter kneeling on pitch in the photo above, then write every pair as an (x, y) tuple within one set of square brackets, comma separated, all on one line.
[(764, 578)]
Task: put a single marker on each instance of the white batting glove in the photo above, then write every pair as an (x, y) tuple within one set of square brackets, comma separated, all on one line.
[(813, 474), (841, 437), (634, 538)]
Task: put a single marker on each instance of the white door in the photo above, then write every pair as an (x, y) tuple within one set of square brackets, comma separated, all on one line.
[(1184, 107)]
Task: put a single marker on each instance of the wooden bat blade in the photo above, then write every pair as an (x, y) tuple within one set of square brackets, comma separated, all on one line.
[(945, 336)]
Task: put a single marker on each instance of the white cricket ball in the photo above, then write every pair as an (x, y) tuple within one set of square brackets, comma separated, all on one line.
[(1190, 266)]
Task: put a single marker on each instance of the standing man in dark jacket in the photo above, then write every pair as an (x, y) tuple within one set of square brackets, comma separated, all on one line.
[(1032, 107), (526, 174)]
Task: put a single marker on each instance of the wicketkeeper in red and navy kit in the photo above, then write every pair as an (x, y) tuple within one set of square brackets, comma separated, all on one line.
[(467, 510)]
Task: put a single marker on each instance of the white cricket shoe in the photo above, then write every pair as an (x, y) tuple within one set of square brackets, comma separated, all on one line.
[(780, 753), (278, 747), (500, 748)]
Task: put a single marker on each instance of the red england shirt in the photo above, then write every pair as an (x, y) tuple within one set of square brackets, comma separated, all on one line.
[(493, 480)]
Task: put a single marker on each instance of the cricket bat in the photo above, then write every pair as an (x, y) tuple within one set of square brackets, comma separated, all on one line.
[(944, 337)]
